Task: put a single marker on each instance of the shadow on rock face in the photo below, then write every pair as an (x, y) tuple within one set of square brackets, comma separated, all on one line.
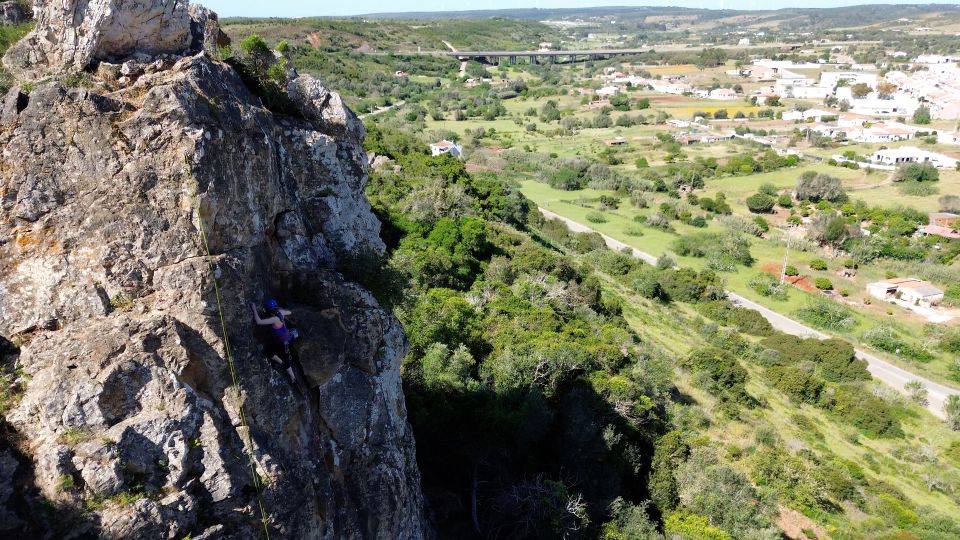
[(340, 324), (24, 512)]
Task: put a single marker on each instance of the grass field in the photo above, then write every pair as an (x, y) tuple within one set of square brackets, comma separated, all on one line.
[(576, 205), (885, 461)]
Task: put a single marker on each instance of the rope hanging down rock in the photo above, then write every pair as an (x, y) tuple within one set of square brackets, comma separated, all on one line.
[(248, 442)]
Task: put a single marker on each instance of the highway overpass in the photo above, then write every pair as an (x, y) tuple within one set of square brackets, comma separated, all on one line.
[(555, 57)]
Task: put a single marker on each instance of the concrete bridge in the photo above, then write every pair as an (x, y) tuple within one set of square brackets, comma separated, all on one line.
[(536, 57), (556, 57)]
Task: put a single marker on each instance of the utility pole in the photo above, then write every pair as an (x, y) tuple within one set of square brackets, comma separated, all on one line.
[(786, 258)]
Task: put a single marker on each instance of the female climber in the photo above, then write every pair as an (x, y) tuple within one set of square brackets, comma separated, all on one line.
[(277, 321)]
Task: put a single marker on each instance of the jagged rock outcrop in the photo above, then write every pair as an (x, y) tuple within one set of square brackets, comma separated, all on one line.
[(13, 13), (71, 34), (129, 425)]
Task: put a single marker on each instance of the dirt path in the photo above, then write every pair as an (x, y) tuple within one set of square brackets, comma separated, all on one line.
[(382, 110), (463, 65), (884, 371)]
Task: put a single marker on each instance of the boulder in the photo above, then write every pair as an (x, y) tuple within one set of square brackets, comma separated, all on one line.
[(70, 35)]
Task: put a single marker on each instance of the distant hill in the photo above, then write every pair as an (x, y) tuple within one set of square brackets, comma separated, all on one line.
[(626, 19), (863, 13)]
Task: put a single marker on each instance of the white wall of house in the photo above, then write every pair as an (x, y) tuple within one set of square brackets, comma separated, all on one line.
[(920, 299)]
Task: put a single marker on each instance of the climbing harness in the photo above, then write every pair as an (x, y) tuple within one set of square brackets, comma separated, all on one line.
[(248, 443)]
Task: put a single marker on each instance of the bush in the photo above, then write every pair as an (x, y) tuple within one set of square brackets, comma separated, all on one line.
[(686, 285), (745, 320), (952, 410), (720, 372), (767, 285), (684, 524), (818, 264), (699, 222), (768, 189), (832, 228), (918, 189), (659, 221), (950, 203), (835, 360), (785, 200), (825, 313), (951, 342), (639, 200), (264, 74), (760, 203), (886, 339), (609, 203), (792, 271), (762, 223), (796, 383), (917, 172), (817, 187), (731, 247), (596, 217), (865, 411), (823, 284)]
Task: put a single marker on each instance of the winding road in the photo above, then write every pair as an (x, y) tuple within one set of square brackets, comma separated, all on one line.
[(890, 374)]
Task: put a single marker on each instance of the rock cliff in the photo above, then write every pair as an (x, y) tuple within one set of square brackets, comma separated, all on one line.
[(13, 13), (125, 421)]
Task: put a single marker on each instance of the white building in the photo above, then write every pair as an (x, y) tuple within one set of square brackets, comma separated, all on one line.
[(912, 154), (723, 94), (948, 137), (446, 147), (816, 115), (932, 59), (910, 290), (666, 87), (608, 91), (789, 80), (882, 133), (831, 79), (872, 106)]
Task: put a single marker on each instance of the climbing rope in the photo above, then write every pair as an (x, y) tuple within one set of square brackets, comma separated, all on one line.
[(248, 443)]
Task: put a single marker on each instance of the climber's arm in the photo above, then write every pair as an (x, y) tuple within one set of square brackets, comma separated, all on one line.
[(269, 321)]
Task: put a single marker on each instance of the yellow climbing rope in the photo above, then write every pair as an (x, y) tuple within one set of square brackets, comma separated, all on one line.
[(248, 443)]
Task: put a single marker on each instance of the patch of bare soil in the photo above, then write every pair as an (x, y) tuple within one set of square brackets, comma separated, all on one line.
[(800, 282), (797, 526)]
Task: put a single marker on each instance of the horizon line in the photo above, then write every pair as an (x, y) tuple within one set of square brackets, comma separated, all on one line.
[(453, 14)]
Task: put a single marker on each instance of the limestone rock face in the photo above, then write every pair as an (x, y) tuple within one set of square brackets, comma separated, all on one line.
[(70, 34), (130, 425), (13, 13)]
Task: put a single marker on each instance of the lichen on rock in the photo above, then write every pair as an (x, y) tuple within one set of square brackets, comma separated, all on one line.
[(130, 425)]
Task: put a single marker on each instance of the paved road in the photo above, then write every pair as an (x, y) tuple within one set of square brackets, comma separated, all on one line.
[(890, 374)]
